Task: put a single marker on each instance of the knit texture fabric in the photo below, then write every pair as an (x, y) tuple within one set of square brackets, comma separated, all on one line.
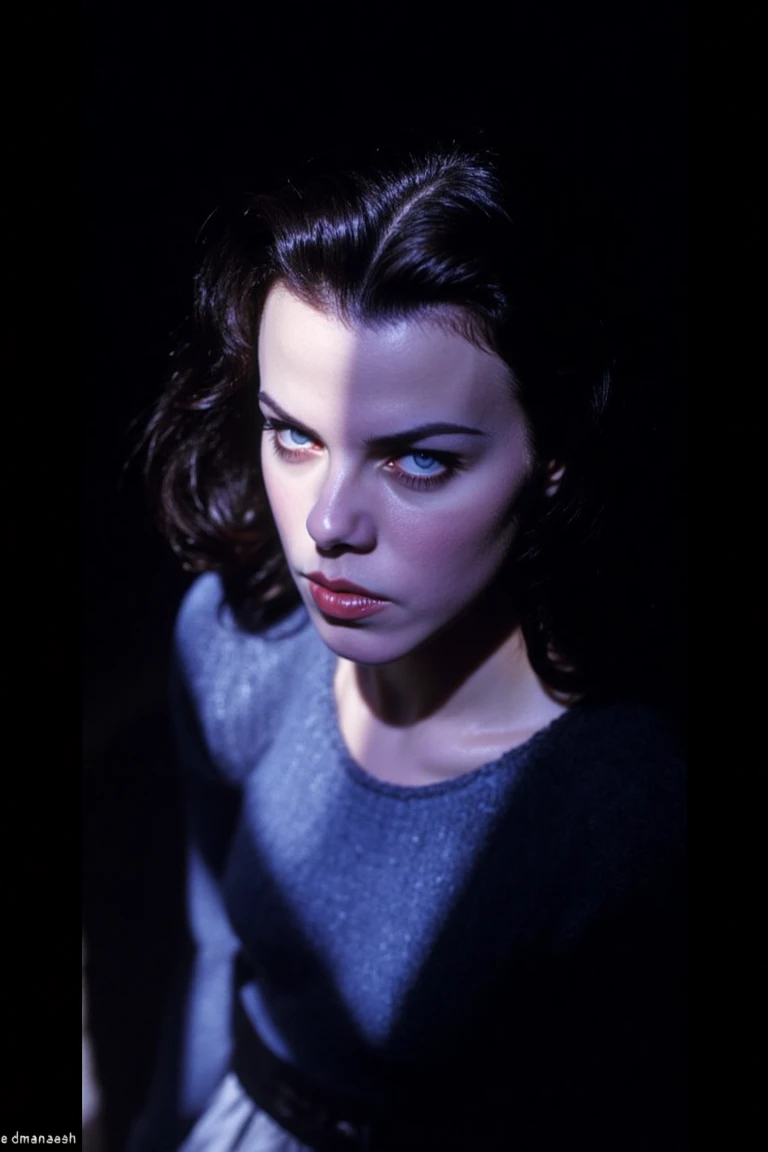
[(515, 930)]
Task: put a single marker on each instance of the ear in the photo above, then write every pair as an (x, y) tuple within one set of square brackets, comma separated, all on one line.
[(553, 476)]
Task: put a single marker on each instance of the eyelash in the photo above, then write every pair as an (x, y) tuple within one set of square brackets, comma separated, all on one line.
[(451, 464)]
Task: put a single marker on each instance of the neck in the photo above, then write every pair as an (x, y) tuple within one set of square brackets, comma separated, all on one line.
[(477, 669)]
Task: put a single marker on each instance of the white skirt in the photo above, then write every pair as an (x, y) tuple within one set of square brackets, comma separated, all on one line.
[(233, 1123)]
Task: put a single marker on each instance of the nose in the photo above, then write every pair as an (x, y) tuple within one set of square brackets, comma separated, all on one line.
[(340, 517)]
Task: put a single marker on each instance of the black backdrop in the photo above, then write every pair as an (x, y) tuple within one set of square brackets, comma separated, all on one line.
[(182, 106)]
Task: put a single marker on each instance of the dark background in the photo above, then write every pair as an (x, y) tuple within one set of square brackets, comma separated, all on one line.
[(182, 106)]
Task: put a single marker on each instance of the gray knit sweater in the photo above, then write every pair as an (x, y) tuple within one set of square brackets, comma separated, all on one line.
[(523, 919)]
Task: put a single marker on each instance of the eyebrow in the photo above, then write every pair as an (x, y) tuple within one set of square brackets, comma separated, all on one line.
[(393, 439)]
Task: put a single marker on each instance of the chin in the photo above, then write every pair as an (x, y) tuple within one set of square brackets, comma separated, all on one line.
[(351, 644), (362, 644)]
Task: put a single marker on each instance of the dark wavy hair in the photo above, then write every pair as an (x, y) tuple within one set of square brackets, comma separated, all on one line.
[(441, 228)]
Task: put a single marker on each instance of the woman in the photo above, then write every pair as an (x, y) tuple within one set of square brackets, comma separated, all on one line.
[(436, 825)]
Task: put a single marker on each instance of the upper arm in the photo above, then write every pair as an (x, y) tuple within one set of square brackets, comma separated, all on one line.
[(212, 808)]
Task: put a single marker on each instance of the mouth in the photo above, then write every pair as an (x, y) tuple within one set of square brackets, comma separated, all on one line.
[(342, 600), (341, 586)]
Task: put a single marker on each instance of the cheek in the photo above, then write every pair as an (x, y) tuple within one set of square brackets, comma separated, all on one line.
[(286, 508), (469, 533), (458, 545)]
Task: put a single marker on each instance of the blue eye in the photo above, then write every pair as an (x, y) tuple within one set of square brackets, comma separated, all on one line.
[(423, 464), (424, 471), (288, 442), (292, 438)]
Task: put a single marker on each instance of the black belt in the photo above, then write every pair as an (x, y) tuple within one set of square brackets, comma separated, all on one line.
[(326, 1122)]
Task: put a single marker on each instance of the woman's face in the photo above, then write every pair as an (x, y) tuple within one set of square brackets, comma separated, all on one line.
[(394, 459)]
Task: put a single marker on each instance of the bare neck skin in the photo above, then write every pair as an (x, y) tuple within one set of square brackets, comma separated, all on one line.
[(460, 701)]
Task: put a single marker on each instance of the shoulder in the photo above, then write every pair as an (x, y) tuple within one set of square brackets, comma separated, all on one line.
[(206, 629), (626, 740), (235, 681), (619, 770)]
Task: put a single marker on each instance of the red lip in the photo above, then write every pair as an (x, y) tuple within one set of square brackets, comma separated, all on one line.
[(343, 601), (341, 586)]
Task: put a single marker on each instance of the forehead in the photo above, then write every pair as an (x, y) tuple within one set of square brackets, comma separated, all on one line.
[(313, 362)]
